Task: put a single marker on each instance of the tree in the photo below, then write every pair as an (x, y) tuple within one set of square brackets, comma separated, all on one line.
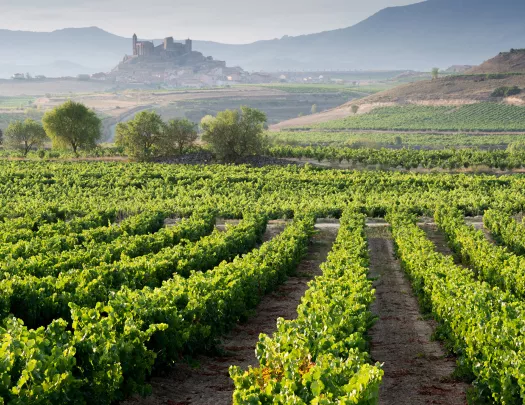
[(355, 109), (24, 136), (142, 136), (1, 137), (314, 109), (206, 119), (72, 125), (435, 73), (234, 134), (178, 135)]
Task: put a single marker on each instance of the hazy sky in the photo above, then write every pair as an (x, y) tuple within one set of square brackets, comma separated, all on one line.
[(233, 21)]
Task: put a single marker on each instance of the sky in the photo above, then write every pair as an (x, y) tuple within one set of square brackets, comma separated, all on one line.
[(232, 21)]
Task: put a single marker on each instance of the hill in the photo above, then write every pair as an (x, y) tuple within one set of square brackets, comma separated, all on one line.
[(505, 62), (450, 90), (478, 84), (418, 36)]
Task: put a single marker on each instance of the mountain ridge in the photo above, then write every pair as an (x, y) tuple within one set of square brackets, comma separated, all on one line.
[(415, 37)]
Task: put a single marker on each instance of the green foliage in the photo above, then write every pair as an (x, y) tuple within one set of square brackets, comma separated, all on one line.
[(517, 147), (405, 158), (234, 134), (72, 125), (146, 260), (142, 137), (355, 108), (481, 323), (435, 73), (320, 356), (37, 365), (24, 136), (506, 230), (506, 91), (86, 242), (387, 139), (178, 135)]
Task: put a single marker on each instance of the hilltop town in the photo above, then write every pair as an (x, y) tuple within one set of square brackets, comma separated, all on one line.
[(174, 64)]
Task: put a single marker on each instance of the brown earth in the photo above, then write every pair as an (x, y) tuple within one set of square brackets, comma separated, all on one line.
[(505, 62), (417, 368), (437, 237), (206, 381)]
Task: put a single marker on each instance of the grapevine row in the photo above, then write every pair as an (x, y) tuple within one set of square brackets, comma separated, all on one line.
[(112, 348), (405, 158), (130, 244), (51, 246), (506, 230), (50, 223), (482, 324), (493, 264), (321, 356), (40, 300)]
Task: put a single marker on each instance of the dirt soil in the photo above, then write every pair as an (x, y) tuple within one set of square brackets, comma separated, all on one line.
[(206, 381), (417, 369), (504, 62), (439, 239), (436, 236)]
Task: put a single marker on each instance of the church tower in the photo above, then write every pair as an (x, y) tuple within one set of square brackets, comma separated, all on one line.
[(135, 53), (188, 45)]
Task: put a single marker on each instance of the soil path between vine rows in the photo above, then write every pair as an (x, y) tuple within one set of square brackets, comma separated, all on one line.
[(207, 381), (417, 369)]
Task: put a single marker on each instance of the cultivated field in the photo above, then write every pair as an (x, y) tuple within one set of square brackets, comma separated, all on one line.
[(360, 257), (117, 277)]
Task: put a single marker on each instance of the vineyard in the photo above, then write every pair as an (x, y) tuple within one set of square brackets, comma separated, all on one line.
[(114, 274), (395, 139), (489, 117), (8, 103), (450, 159)]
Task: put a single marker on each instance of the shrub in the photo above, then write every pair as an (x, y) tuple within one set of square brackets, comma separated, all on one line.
[(506, 91)]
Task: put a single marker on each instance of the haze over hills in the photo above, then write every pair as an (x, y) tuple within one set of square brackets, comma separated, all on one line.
[(419, 36)]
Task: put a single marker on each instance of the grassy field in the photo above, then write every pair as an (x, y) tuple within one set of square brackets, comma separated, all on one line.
[(15, 103)]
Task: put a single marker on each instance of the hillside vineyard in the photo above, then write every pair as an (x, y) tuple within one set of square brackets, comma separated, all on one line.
[(112, 271)]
